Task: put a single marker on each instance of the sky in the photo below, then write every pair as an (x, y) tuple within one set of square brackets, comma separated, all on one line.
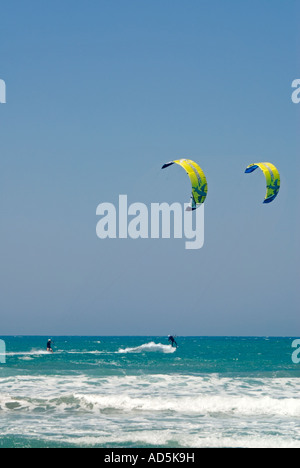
[(100, 94)]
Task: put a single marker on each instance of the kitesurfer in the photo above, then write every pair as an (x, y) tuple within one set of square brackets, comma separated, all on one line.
[(49, 348), (172, 341)]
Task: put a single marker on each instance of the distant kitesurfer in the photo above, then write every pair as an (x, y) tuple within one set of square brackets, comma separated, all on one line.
[(49, 348), (172, 340)]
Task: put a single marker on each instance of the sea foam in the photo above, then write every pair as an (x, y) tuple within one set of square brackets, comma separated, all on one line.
[(149, 347)]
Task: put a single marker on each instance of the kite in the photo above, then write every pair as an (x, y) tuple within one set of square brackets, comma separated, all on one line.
[(197, 178), (272, 178)]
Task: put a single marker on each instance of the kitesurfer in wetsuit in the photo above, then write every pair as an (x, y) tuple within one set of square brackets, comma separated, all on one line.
[(49, 349), (172, 340)]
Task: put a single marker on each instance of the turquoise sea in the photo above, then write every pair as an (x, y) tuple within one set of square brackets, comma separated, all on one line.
[(139, 392)]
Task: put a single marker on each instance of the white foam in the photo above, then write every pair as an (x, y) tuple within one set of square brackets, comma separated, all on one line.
[(33, 352), (169, 438), (203, 405), (149, 347), (162, 393), (169, 410)]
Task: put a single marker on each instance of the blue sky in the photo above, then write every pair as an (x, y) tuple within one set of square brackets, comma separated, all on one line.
[(99, 95)]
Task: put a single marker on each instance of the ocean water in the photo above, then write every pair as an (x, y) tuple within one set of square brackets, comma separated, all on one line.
[(139, 392)]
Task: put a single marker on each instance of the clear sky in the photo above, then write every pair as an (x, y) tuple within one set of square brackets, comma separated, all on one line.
[(99, 95)]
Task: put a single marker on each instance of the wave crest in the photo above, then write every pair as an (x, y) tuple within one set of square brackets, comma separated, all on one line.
[(149, 347)]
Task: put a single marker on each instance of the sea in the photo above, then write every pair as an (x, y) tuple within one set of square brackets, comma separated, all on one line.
[(139, 392)]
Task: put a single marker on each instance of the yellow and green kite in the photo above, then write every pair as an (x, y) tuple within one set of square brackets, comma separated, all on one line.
[(197, 178), (272, 178)]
